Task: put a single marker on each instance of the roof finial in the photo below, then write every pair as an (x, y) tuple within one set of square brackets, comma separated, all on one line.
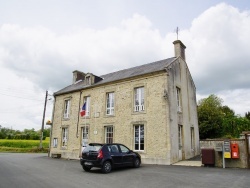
[(177, 32)]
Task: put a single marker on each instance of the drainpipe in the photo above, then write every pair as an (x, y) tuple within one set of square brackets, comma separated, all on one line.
[(51, 127), (247, 149)]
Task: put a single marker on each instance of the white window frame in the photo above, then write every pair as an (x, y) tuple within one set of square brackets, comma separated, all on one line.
[(55, 142), (66, 111), (139, 99), (109, 134), (87, 100), (65, 136), (110, 103), (85, 135), (178, 98), (139, 136)]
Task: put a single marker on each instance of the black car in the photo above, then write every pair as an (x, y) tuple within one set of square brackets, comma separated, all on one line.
[(108, 156)]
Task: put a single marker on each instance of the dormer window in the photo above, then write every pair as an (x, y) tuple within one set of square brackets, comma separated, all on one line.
[(88, 80)]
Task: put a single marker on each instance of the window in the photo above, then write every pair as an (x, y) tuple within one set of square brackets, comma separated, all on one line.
[(88, 80), (114, 149), (139, 137), (87, 100), (66, 108), (109, 134), (110, 104), (178, 97), (64, 136), (55, 142), (192, 138), (139, 99), (180, 136), (85, 133), (124, 149)]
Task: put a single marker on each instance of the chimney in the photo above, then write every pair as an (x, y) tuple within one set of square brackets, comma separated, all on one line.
[(78, 76), (179, 49)]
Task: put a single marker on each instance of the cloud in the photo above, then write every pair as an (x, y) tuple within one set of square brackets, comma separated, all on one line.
[(48, 59), (219, 40), (217, 54), (37, 59)]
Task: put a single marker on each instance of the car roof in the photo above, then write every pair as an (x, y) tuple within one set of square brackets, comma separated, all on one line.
[(92, 144)]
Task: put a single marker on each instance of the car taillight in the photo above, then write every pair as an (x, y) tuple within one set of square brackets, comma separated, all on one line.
[(100, 154)]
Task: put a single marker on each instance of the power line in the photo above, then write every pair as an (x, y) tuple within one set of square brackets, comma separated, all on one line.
[(10, 110), (19, 97), (22, 93)]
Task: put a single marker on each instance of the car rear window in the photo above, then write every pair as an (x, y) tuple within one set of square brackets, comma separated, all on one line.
[(92, 148)]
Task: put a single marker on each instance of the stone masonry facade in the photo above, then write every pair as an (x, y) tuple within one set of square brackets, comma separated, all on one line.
[(170, 124)]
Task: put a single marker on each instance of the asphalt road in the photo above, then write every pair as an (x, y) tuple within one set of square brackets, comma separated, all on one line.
[(39, 171)]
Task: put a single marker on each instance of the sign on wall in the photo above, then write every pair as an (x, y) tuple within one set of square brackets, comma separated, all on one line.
[(227, 149)]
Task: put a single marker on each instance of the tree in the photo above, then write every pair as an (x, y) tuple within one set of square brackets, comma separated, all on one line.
[(227, 111), (217, 121), (247, 115), (210, 117), (46, 132), (4, 132)]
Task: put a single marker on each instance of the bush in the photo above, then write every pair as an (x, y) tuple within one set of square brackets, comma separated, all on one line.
[(22, 143), (23, 150)]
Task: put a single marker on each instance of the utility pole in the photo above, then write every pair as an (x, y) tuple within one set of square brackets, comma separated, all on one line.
[(44, 110)]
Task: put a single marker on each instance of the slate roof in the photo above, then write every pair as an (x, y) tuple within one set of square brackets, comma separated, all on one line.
[(120, 75)]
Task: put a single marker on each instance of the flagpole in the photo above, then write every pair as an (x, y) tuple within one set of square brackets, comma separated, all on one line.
[(78, 115), (85, 123)]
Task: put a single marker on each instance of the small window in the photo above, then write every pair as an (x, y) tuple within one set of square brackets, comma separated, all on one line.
[(85, 132), (139, 99), (178, 98), (109, 134), (124, 149), (180, 136), (113, 149), (64, 136), (110, 104), (55, 141), (66, 108), (192, 138)]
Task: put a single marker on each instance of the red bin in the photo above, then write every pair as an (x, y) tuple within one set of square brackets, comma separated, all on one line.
[(235, 151)]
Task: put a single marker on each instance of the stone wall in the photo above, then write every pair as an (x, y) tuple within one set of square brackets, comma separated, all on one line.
[(241, 162), (154, 118), (159, 119)]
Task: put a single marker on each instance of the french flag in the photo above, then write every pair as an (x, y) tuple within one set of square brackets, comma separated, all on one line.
[(83, 110)]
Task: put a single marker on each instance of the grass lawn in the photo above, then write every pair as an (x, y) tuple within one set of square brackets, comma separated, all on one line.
[(23, 146)]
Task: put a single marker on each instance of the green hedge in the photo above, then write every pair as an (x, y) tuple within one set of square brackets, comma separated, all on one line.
[(23, 150), (23, 143)]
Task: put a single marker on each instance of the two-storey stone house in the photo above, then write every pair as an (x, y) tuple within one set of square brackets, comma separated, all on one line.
[(150, 108)]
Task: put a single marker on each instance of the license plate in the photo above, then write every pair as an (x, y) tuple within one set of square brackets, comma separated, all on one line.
[(88, 163)]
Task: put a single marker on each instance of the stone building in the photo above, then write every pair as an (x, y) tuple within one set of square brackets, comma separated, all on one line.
[(150, 108)]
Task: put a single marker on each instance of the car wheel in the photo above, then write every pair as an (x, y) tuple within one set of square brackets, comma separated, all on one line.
[(106, 167), (86, 168), (137, 163)]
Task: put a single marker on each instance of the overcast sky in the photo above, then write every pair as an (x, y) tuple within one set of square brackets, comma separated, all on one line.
[(43, 41)]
